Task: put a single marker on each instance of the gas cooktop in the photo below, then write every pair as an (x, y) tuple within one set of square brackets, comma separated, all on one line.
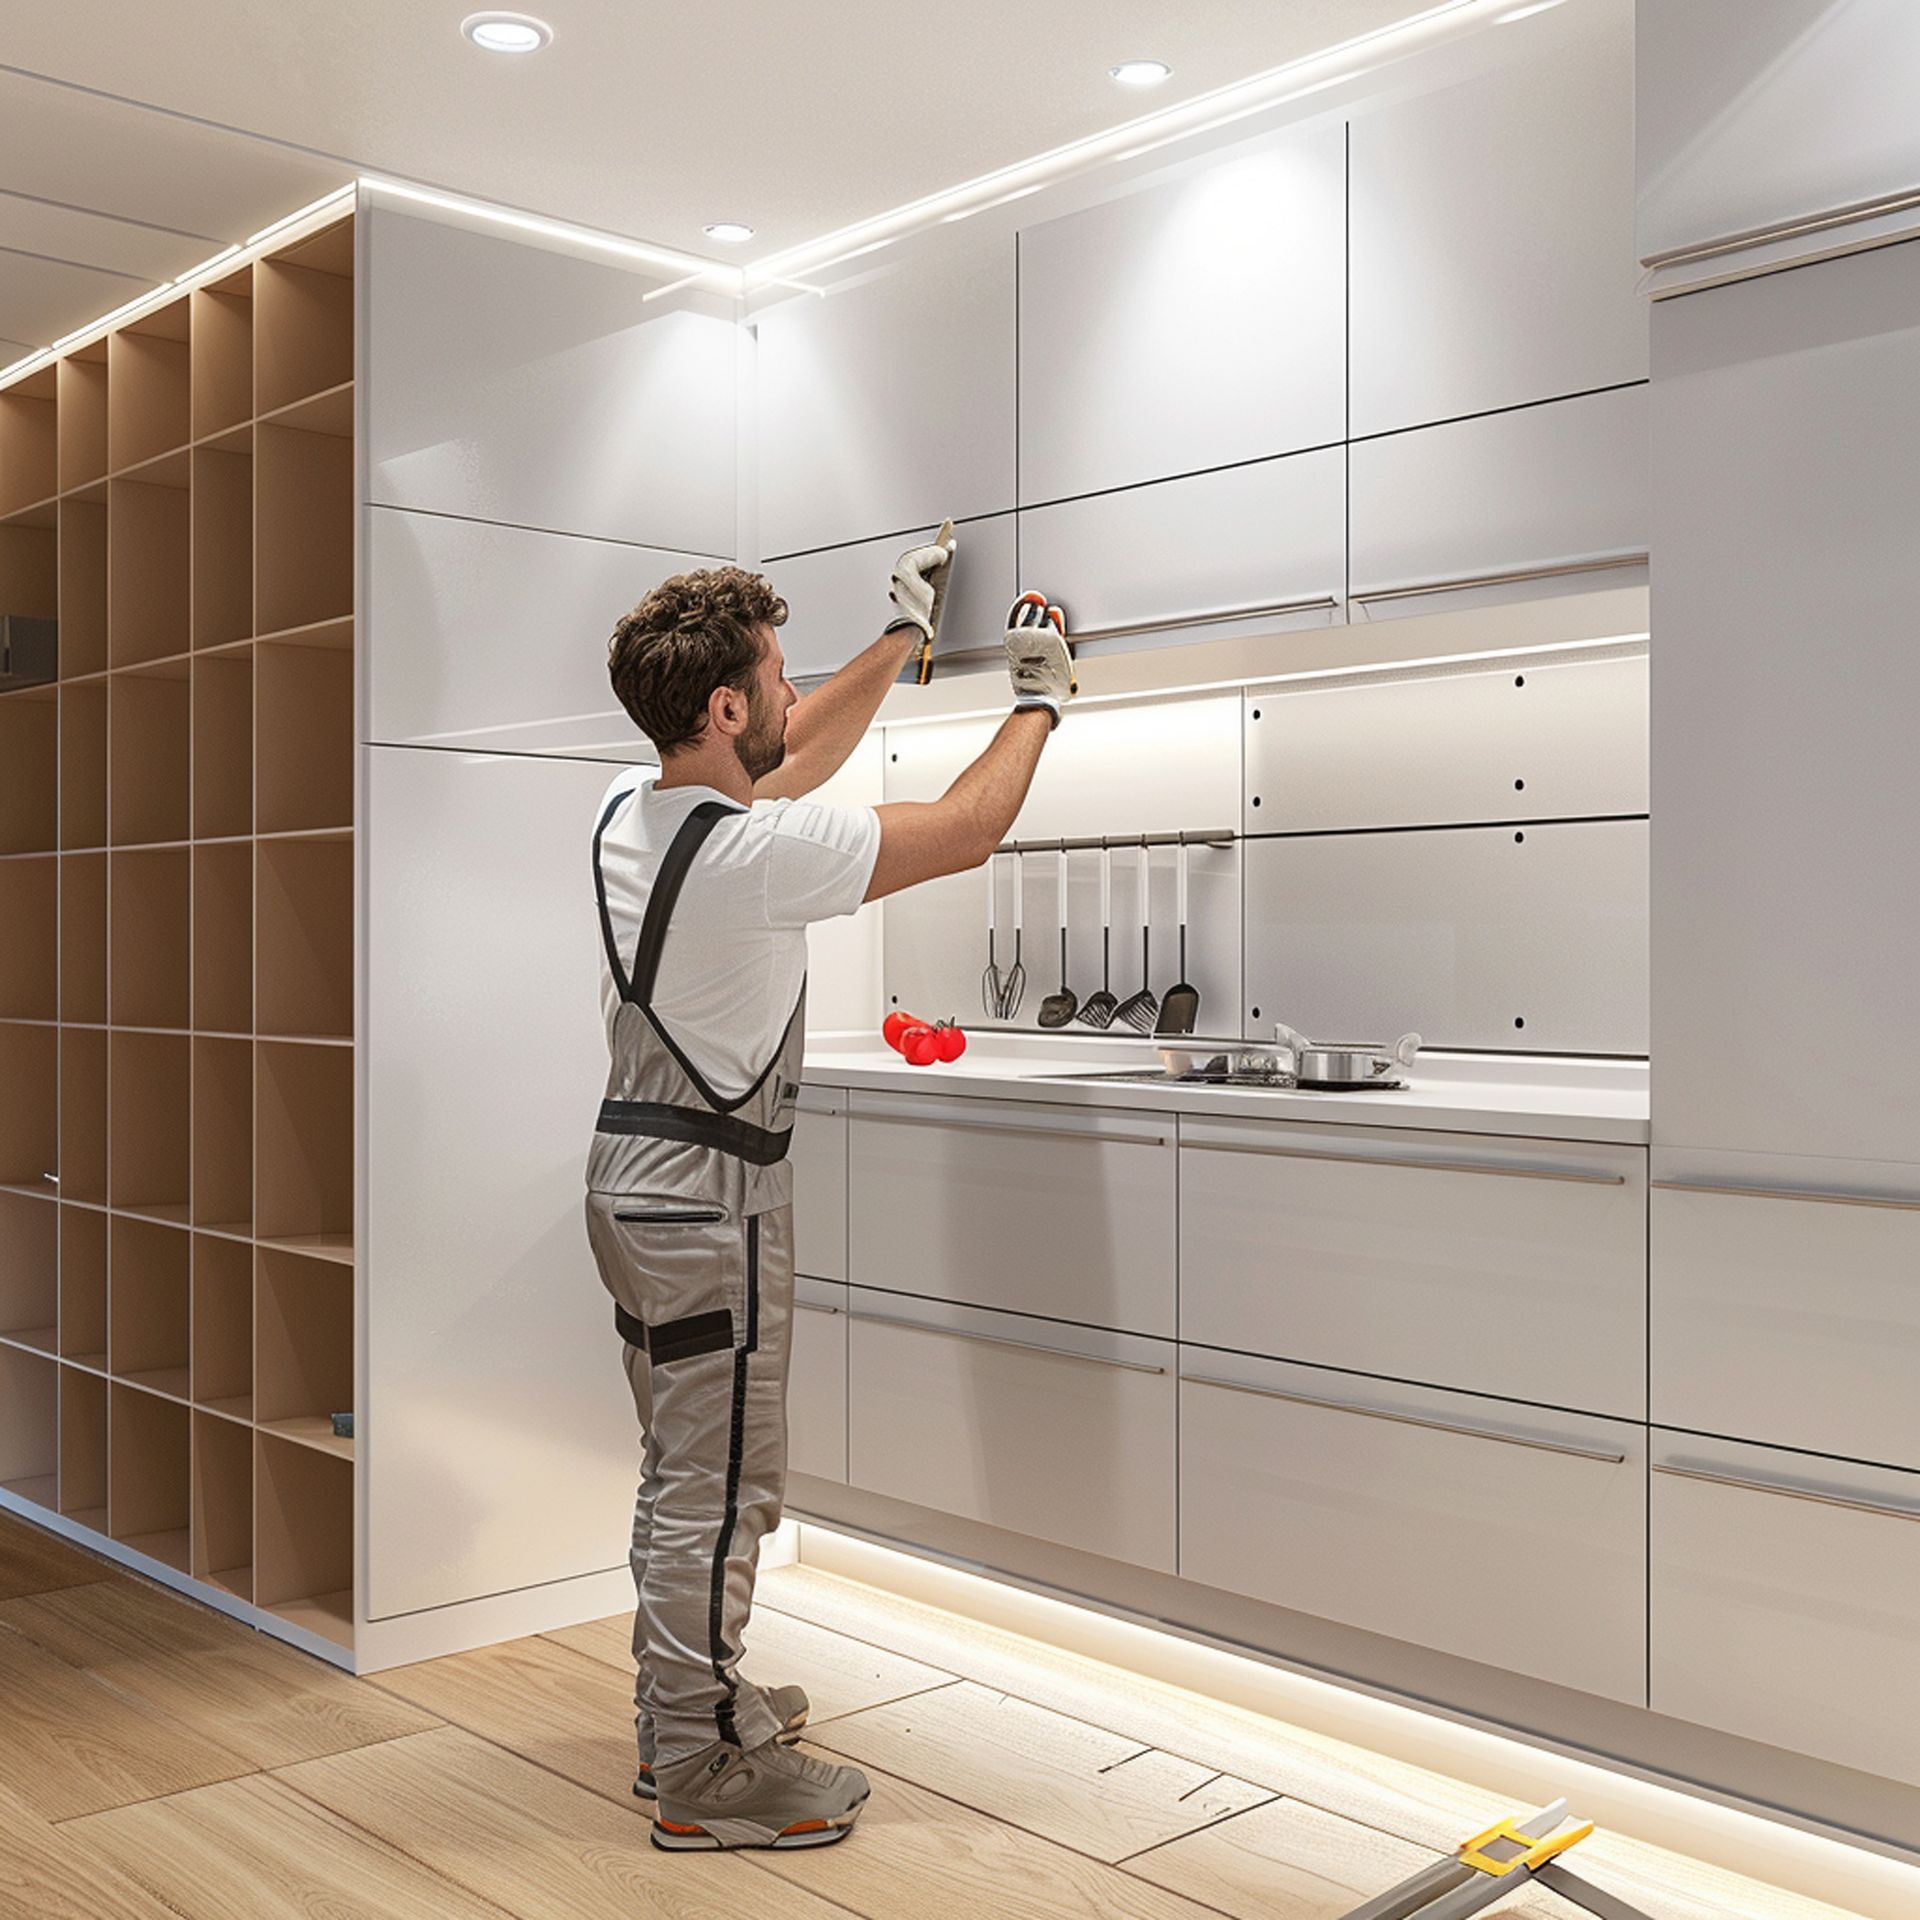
[(1227, 1077)]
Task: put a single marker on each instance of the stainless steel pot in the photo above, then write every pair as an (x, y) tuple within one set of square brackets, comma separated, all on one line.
[(1345, 1064)]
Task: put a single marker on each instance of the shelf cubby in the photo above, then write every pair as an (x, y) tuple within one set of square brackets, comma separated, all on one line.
[(30, 564), (150, 735), (223, 1325), (29, 441), (303, 1537), (223, 1135), (148, 1310), (83, 764), (303, 1348), (303, 528), (83, 416), (303, 930), (29, 1425), (222, 325), (303, 319), (149, 1502), (150, 934), (149, 383), (83, 938), (83, 591), (83, 1448), (149, 564), (83, 1114), (223, 1504), (30, 1271), (303, 732), (223, 744), (83, 1288), (29, 1106), (30, 939), (223, 938), (303, 1146), (148, 1106), (29, 769), (222, 545)]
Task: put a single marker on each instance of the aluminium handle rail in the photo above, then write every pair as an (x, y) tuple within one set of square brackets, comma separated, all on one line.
[(1507, 577), (1784, 1193), (1001, 1340), (1201, 1144), (1788, 1490), (1124, 842), (1169, 623)]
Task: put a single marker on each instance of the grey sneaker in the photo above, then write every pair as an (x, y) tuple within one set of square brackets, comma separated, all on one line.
[(790, 1703), (770, 1796)]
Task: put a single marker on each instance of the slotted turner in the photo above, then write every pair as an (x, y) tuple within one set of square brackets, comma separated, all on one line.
[(1099, 1010), (1059, 1008), (1180, 1010), (1140, 1010)]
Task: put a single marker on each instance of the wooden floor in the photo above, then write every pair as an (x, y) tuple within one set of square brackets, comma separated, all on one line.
[(161, 1762)]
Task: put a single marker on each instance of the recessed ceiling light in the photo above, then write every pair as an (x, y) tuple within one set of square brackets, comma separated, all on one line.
[(1141, 73), (506, 32), (731, 231), (1521, 13)]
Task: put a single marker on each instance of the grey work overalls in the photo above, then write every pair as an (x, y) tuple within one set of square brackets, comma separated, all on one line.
[(689, 1212)]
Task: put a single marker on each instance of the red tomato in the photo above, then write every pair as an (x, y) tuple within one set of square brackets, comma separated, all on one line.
[(893, 1028), (920, 1047), (950, 1042)]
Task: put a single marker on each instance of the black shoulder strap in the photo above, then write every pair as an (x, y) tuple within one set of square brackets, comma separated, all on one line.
[(614, 805), (666, 895)]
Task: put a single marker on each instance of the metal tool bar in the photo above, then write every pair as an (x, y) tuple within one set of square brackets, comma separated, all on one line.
[(1583, 1893), (1514, 576), (1408, 1901), (1117, 842), (1000, 1340), (1787, 1490), (1784, 1193), (1255, 610), (1203, 1145)]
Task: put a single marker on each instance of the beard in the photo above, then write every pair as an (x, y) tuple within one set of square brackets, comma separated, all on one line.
[(763, 746)]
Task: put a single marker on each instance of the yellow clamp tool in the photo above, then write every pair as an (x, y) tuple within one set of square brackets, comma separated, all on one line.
[(1506, 1848)]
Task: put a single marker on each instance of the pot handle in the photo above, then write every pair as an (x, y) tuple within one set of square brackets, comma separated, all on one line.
[(1405, 1048), (1295, 1043)]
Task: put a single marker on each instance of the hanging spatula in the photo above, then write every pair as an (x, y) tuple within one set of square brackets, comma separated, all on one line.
[(990, 980), (1059, 1008), (1180, 1010), (1014, 988), (1098, 1012), (1140, 1010)]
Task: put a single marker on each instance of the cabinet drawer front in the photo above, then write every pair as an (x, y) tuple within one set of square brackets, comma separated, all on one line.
[(1061, 1211), (1783, 1608), (819, 1156), (1793, 1322), (1509, 1535), (1425, 1262), (1048, 1430), (817, 1384)]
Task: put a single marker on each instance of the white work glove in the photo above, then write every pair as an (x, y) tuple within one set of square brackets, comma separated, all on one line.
[(1039, 661), (919, 590)]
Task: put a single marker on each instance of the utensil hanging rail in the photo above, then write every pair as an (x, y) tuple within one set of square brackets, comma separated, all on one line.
[(1123, 842)]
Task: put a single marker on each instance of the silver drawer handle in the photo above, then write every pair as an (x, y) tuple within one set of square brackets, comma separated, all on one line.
[(1256, 610), (1419, 1166), (1612, 1456), (1016, 1131), (1786, 1193), (1000, 1340), (1514, 576), (813, 1306), (1751, 1483)]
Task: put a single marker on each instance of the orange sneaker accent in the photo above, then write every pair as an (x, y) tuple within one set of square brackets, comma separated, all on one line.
[(804, 1826), (673, 1826)]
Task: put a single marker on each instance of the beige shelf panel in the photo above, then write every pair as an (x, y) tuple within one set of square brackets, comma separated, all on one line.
[(150, 739), (303, 719), (303, 320), (83, 937), (223, 938), (149, 1078), (30, 939), (30, 1266), (29, 768), (311, 1430), (29, 1423), (149, 1498), (150, 930), (83, 1287), (303, 1345), (303, 1140), (303, 926), (150, 375), (83, 591), (149, 564), (148, 1300), (223, 1133), (30, 564), (303, 528), (83, 416), (223, 1325), (83, 1114), (29, 1106), (83, 764), (222, 546), (303, 1536), (29, 441), (223, 1504), (83, 1446), (223, 744), (222, 325), (337, 1247)]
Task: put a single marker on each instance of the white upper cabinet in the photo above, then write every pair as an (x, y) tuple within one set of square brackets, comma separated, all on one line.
[(889, 404), (1492, 229), (1187, 325)]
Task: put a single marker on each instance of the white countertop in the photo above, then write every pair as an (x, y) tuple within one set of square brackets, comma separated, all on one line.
[(1541, 1098)]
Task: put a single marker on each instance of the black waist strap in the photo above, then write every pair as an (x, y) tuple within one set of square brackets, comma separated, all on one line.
[(630, 1328), (758, 1145)]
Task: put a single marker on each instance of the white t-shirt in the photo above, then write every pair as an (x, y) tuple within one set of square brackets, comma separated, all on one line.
[(736, 947)]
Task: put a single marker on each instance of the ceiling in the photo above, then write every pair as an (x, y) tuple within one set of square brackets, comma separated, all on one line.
[(137, 137)]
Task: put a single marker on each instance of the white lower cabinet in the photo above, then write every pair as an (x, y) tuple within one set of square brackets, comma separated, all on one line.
[(1511, 1267), (1783, 1600), (1507, 1534), (1066, 1433), (817, 1383), (819, 1156)]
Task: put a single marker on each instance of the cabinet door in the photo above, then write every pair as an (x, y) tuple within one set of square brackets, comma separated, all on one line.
[(1062, 1211), (890, 403), (1253, 549), (837, 598), (1511, 506), (1492, 235), (1062, 1432), (1528, 937), (819, 1156), (1782, 1601), (1792, 1321), (1422, 1256), (1187, 325), (817, 1382), (1510, 1535)]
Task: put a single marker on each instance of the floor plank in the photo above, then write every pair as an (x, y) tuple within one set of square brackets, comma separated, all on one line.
[(254, 1849), (840, 1674), (1095, 1791), (533, 1845), (256, 1696), (32, 1560), (46, 1874)]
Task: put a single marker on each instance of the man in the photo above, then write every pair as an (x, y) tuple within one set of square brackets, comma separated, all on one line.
[(707, 878)]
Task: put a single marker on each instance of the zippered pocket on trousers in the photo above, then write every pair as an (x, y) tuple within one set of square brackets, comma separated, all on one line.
[(674, 1217)]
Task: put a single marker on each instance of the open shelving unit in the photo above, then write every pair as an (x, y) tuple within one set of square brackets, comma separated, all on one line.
[(177, 940)]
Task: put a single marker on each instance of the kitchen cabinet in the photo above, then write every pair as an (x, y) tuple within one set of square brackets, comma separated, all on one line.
[(1061, 1211), (1399, 1253), (1510, 506), (1066, 1433), (1788, 1320), (1782, 1600), (1511, 1535), (1530, 938), (817, 1381), (1189, 324), (889, 404), (1554, 738), (819, 1157), (1492, 228), (838, 603), (1252, 549)]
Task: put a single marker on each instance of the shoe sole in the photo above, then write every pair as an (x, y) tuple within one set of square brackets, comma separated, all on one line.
[(734, 1836), (788, 1736)]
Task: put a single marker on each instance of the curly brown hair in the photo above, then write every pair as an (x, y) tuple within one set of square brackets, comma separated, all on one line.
[(691, 634)]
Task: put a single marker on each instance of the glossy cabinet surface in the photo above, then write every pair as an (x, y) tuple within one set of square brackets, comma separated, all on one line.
[(817, 1381), (1187, 324), (819, 1156)]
